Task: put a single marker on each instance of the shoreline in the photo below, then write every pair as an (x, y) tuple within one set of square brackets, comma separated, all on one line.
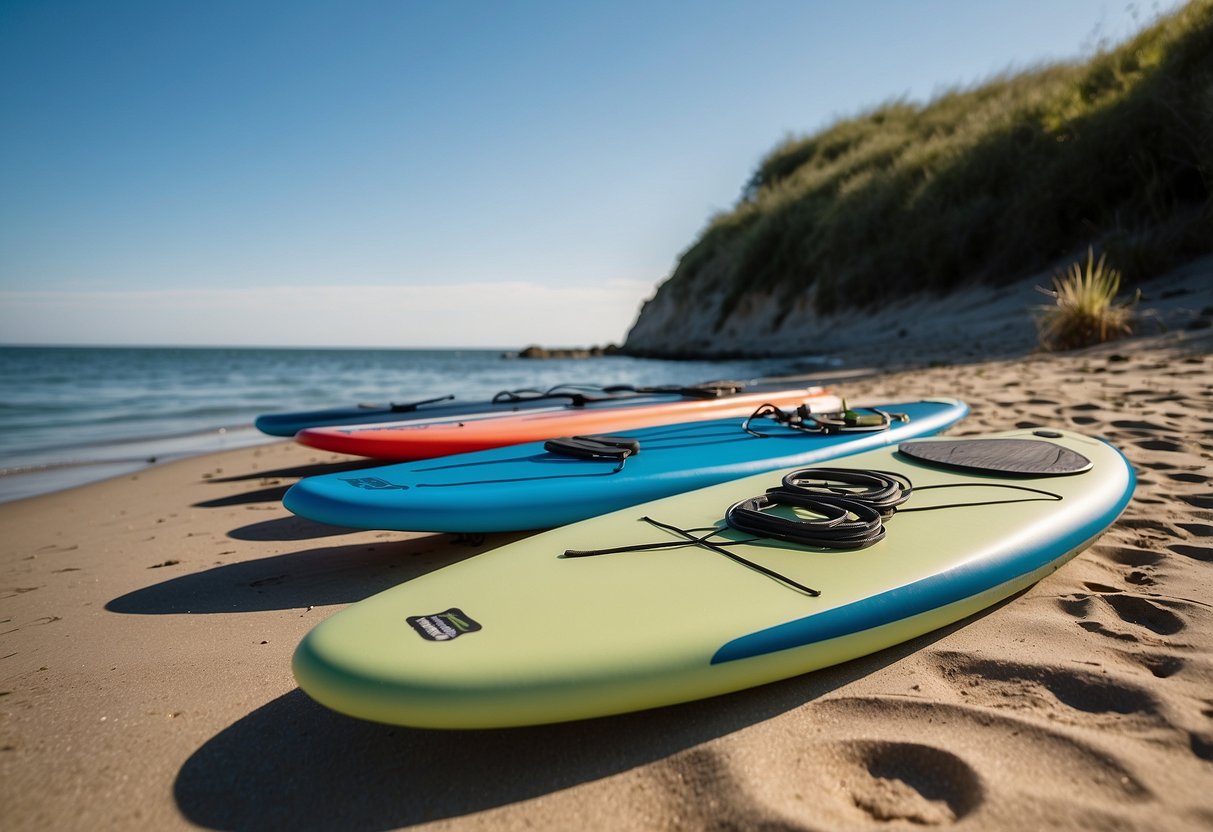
[(127, 435), (99, 461), (150, 619)]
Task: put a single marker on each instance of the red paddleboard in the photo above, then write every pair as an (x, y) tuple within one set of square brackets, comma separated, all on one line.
[(424, 440)]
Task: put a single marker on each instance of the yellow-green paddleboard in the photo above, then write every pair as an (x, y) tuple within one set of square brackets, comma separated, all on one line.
[(526, 634)]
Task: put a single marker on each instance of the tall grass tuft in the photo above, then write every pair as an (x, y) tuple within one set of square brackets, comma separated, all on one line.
[(1084, 309)]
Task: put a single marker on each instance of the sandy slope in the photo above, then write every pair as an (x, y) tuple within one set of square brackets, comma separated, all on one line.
[(148, 623)]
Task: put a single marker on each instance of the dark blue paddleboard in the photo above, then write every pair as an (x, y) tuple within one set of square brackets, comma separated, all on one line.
[(509, 401)]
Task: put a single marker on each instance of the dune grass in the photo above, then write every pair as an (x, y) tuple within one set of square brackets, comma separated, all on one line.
[(986, 184), (1084, 309)]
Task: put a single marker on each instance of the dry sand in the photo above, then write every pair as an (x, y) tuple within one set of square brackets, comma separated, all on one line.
[(148, 624)]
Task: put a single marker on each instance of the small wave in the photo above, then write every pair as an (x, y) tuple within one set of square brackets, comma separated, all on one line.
[(102, 443), (42, 474), (68, 464)]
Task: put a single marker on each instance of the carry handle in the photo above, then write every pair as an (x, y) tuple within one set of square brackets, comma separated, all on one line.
[(614, 448), (410, 406)]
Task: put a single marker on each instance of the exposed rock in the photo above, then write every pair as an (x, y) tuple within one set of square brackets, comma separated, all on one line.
[(535, 351)]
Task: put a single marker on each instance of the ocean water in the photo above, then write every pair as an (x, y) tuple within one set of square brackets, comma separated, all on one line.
[(71, 415)]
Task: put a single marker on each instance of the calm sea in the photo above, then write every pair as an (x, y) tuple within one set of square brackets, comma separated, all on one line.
[(70, 415)]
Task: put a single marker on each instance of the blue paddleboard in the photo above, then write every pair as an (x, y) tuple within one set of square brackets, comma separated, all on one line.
[(536, 485)]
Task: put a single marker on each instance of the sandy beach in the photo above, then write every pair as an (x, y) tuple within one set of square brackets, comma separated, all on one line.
[(149, 620)]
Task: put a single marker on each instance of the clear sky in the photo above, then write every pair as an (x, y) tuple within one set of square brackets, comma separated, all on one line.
[(446, 173)]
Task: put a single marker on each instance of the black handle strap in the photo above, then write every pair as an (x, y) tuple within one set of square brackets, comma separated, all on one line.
[(613, 448), (707, 390), (410, 406), (579, 395)]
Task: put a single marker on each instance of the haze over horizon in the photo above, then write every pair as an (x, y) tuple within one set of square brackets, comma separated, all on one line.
[(454, 175)]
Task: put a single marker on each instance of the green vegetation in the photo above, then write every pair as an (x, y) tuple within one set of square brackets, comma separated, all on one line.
[(1084, 311), (987, 184)]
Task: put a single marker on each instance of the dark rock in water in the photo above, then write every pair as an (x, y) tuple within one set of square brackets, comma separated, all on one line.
[(535, 351)]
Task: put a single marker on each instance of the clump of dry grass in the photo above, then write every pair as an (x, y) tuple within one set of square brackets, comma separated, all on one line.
[(1084, 309)]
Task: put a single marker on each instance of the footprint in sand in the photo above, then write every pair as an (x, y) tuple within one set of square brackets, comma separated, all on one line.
[(1127, 608), (1198, 500), (1156, 466), (1101, 629), (1197, 529), (1077, 605), (1139, 577), (1149, 523), (1159, 445), (1056, 692), (1130, 556), (1201, 553), (1201, 745), (873, 780), (913, 763), (1148, 427), (1160, 664), (1137, 610), (902, 781), (879, 780)]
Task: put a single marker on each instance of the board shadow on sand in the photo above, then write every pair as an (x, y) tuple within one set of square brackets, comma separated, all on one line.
[(312, 469), (272, 494), (315, 769), (293, 527), (314, 577), (273, 489)]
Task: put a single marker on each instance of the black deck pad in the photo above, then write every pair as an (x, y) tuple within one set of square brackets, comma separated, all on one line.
[(1024, 457)]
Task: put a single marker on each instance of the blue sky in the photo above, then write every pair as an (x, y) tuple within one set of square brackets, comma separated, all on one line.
[(427, 174)]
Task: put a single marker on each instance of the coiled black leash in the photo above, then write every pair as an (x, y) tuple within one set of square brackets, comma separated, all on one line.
[(882, 490), (838, 523), (849, 507), (805, 420)]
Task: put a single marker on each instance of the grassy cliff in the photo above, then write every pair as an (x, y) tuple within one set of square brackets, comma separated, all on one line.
[(986, 184)]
